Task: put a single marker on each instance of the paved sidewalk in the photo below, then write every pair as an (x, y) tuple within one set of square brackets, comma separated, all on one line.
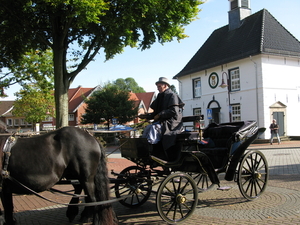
[(280, 204)]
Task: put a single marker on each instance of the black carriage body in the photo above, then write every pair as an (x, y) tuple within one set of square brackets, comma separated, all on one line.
[(220, 149), (196, 162)]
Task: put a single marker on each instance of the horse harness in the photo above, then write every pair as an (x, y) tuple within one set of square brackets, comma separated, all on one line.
[(10, 142)]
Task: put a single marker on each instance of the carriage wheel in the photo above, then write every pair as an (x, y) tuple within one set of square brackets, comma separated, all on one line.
[(137, 184), (202, 181), (177, 197), (253, 175)]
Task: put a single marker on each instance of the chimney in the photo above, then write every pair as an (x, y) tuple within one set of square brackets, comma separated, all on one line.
[(239, 10)]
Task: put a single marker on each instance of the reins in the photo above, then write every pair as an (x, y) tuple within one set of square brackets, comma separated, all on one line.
[(116, 149), (67, 204)]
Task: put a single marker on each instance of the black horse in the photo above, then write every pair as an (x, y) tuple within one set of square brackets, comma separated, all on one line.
[(42, 161)]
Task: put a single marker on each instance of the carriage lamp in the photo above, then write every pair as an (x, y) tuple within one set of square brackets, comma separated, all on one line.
[(224, 85)]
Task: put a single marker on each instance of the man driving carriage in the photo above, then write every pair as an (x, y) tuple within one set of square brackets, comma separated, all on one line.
[(167, 116)]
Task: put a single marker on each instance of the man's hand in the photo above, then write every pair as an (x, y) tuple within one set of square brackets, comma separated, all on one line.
[(143, 116), (156, 117)]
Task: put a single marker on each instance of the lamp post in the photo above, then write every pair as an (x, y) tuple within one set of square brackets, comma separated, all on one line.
[(224, 85)]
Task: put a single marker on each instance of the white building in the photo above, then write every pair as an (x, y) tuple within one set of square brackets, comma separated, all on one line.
[(246, 70)]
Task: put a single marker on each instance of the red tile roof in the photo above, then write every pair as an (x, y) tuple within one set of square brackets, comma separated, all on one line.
[(147, 98), (77, 96)]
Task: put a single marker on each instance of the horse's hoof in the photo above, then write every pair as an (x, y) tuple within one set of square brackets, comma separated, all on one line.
[(71, 213), (71, 218)]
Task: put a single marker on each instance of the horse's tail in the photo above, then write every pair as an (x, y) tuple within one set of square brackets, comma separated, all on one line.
[(104, 213)]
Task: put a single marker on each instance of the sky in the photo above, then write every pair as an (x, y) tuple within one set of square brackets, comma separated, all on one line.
[(169, 59)]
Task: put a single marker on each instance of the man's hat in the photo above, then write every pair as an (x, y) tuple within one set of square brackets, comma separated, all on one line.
[(163, 80)]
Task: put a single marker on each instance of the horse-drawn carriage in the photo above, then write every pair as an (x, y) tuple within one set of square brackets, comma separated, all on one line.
[(38, 163), (194, 169)]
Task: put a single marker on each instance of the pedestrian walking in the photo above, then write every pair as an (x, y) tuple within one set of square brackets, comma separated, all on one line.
[(274, 131)]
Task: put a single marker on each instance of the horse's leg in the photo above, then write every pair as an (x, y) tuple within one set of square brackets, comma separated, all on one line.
[(88, 211), (7, 202), (2, 221), (72, 211)]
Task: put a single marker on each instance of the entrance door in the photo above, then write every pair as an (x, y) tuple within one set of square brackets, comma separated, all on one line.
[(216, 115), (279, 117)]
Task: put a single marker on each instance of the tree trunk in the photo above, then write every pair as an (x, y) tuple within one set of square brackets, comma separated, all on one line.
[(61, 85)]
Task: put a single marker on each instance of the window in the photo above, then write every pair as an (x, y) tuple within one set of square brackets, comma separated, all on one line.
[(71, 117), (236, 113), (16, 122), (234, 80), (9, 122), (197, 124), (22, 122), (48, 119), (197, 111), (245, 3), (233, 4), (197, 87)]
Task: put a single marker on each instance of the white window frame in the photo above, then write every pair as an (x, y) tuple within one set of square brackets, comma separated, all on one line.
[(16, 122), (236, 113), (71, 117), (197, 111), (197, 87), (22, 122), (48, 119), (235, 80), (9, 122)]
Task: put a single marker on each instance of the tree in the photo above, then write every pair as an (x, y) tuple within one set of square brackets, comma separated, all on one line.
[(77, 30), (34, 104), (173, 88), (108, 103), (128, 84), (33, 67), (34, 72)]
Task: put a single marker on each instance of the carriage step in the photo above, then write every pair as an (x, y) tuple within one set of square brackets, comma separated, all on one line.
[(224, 188)]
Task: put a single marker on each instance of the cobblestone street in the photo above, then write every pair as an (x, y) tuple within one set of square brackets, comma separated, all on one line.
[(279, 204)]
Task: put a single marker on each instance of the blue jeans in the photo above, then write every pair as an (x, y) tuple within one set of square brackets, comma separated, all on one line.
[(274, 135)]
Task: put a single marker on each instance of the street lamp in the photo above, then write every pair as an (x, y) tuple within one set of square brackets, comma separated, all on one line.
[(224, 85)]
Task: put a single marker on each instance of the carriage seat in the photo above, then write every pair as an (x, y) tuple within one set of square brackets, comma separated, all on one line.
[(221, 134), (189, 135)]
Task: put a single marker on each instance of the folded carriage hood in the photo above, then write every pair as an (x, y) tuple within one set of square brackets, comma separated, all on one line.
[(239, 153)]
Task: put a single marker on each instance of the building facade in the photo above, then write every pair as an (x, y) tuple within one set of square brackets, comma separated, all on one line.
[(247, 70)]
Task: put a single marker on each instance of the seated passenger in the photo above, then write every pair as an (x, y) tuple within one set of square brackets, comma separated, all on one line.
[(167, 116)]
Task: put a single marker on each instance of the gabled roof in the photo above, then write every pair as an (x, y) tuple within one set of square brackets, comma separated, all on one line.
[(147, 98), (6, 107), (77, 96), (133, 96), (258, 33), (137, 102)]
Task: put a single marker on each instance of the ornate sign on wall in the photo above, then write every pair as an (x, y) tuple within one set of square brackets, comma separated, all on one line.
[(213, 80)]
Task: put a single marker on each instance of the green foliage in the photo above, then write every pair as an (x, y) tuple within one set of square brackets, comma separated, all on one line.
[(173, 88), (128, 84), (34, 67), (34, 104), (108, 103), (76, 31)]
